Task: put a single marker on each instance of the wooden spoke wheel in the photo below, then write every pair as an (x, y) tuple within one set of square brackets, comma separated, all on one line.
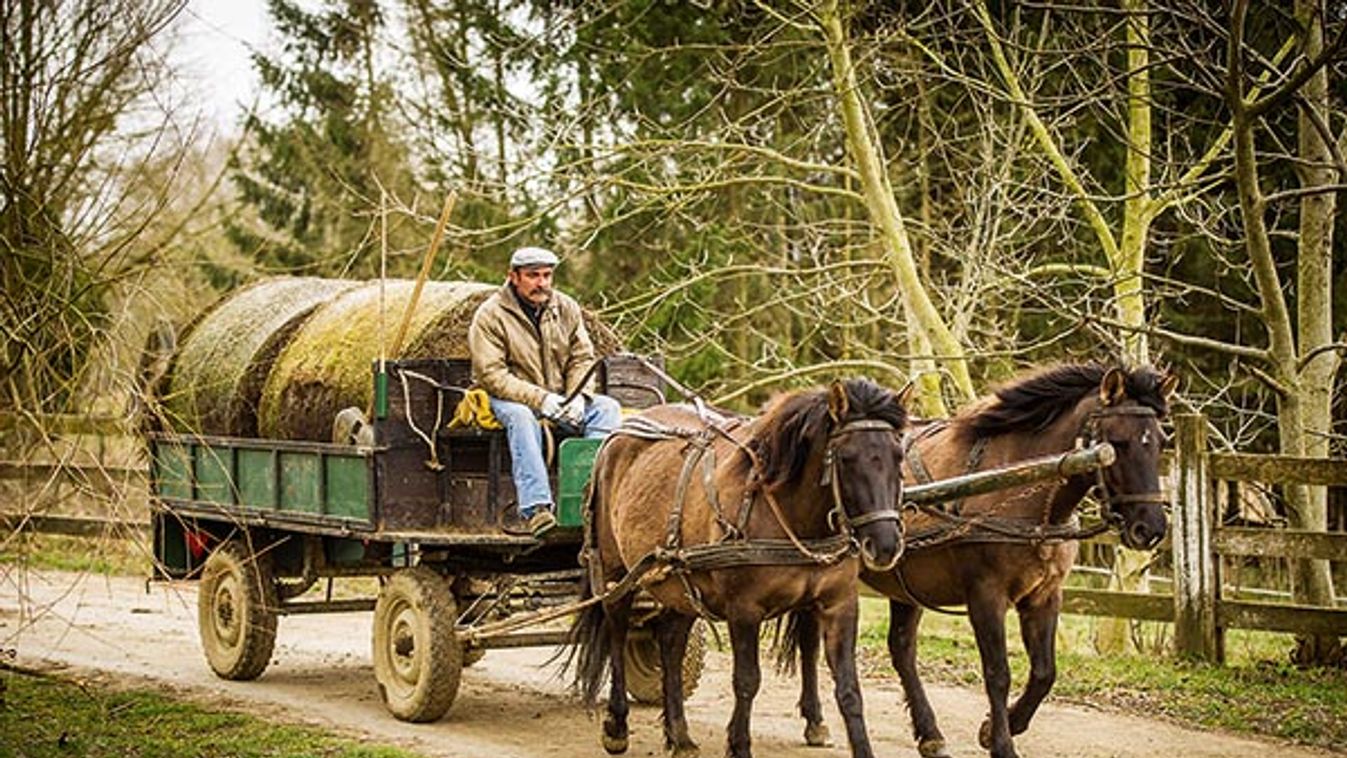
[(645, 678), (417, 659), (236, 611)]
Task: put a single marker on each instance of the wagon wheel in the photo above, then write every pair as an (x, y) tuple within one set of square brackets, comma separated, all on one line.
[(645, 681), (417, 658), (236, 611)]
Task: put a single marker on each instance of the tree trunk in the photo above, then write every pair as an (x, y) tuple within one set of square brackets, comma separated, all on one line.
[(1313, 580), (1312, 584), (925, 322), (1130, 566)]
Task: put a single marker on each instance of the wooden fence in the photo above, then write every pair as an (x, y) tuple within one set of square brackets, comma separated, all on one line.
[(1198, 541), (1197, 607)]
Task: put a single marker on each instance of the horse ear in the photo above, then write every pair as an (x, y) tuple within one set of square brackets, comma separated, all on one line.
[(838, 403), (1113, 388), (1169, 384), (904, 396)]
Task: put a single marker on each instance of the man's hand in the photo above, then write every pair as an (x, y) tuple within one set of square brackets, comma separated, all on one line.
[(574, 412), (551, 407)]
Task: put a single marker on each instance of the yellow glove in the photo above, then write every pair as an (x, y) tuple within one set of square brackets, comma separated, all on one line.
[(474, 410)]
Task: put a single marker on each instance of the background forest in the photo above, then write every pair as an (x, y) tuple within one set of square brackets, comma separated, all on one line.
[(765, 192)]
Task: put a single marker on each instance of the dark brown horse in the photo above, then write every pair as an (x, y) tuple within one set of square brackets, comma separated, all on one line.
[(771, 525), (981, 553)]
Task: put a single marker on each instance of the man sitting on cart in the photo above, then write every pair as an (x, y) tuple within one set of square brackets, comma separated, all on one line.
[(532, 355)]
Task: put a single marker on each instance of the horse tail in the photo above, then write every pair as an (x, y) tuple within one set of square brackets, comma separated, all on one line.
[(786, 646), (590, 647)]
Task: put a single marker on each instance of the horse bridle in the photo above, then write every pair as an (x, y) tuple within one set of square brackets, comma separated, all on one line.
[(838, 513), (1108, 499)]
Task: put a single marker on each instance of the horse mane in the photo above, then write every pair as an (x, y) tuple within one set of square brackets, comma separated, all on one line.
[(1033, 402), (793, 423)]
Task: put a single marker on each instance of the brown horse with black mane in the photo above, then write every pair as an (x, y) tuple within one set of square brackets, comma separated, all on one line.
[(1012, 547), (742, 521)]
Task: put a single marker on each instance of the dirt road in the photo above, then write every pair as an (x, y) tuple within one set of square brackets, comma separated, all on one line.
[(508, 704)]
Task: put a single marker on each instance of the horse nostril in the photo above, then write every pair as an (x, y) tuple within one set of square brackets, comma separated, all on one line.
[(1143, 538)]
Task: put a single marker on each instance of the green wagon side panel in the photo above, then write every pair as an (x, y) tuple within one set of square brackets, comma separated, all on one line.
[(348, 489), (575, 462), (214, 475), (301, 483), (173, 471), (257, 479)]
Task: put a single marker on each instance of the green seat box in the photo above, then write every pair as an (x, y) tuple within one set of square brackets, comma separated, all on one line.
[(575, 462)]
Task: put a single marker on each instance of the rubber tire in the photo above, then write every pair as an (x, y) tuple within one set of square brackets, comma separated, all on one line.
[(417, 659), (645, 682), (236, 612)]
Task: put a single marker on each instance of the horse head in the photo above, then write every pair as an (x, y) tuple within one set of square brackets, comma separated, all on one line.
[(1130, 407), (849, 437)]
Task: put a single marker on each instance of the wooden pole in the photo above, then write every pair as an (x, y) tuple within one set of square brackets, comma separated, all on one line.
[(425, 273), (1196, 580), (1025, 472)]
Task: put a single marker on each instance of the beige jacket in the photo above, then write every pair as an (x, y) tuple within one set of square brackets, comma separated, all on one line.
[(512, 361)]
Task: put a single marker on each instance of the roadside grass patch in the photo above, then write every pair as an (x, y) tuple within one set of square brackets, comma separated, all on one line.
[(1255, 692), (54, 552), (45, 716)]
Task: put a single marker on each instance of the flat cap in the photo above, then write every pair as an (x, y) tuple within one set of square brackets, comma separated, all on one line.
[(526, 257)]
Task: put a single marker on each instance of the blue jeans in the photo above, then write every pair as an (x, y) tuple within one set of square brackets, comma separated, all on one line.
[(525, 438)]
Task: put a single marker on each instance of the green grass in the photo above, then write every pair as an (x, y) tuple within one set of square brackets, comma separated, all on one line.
[(49, 552), (42, 716), (1256, 692)]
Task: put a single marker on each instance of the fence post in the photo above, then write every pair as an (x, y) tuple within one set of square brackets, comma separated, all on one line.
[(1195, 564)]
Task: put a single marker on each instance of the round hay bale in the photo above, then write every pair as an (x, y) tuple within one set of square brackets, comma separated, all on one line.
[(326, 365), (214, 381)]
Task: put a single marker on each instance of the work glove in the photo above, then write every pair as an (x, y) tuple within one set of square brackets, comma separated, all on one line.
[(551, 407), (574, 412)]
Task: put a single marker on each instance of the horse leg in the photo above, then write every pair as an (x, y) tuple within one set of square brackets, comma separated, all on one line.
[(904, 620), (807, 635), (747, 678), (839, 639), (1038, 629), (615, 724), (672, 631), (987, 612)]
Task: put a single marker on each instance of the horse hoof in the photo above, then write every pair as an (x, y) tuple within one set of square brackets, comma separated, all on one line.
[(685, 751), (816, 735), (985, 735), (933, 748), (614, 736)]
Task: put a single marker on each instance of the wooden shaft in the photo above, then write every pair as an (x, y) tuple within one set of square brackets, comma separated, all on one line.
[(1014, 475), (425, 273)]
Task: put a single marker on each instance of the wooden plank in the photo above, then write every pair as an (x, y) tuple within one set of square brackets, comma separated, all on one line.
[(45, 470), (1283, 617), (1196, 633), (1279, 543), (99, 477), (69, 424), (1133, 605), (76, 526), (1280, 469)]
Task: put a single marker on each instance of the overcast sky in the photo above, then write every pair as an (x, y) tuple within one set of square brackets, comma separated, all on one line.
[(216, 39)]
